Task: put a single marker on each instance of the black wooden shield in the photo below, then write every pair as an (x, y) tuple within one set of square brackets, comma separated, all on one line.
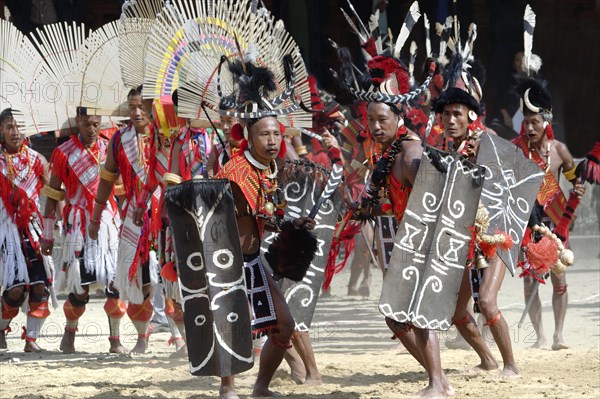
[(432, 243), (302, 183), (210, 267), (511, 184)]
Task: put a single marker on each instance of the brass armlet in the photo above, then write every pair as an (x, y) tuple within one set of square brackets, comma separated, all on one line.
[(119, 189), (171, 178), (107, 175), (570, 174), (57, 195)]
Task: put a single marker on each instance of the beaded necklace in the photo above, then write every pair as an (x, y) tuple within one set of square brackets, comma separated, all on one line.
[(270, 205), (547, 154), (18, 168)]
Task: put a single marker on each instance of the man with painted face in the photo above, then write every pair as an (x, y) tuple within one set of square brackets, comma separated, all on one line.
[(128, 154), (253, 173), (537, 141), (460, 111), (75, 165), (22, 176)]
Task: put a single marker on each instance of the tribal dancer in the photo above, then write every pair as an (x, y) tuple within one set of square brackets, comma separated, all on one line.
[(75, 165), (254, 173), (129, 155), (538, 143), (22, 176)]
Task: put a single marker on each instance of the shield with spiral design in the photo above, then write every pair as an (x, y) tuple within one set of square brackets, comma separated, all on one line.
[(432, 243)]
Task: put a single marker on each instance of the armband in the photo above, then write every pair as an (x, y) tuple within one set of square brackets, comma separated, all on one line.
[(119, 190), (57, 195), (301, 150), (107, 175), (171, 178), (570, 174)]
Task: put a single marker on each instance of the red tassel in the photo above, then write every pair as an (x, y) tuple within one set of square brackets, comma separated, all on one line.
[(489, 250), (282, 149), (369, 47), (589, 168), (237, 132), (549, 132), (169, 272), (542, 255), (562, 229)]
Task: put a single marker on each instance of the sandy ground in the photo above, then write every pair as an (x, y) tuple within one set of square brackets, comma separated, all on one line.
[(353, 351)]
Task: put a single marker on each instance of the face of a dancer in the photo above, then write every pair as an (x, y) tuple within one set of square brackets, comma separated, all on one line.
[(264, 139), (226, 123), (89, 127), (13, 139), (534, 128), (139, 112), (383, 123), (455, 118)]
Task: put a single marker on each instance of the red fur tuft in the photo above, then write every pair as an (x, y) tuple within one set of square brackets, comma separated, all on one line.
[(542, 255), (369, 47), (282, 149), (562, 229), (237, 132), (381, 67)]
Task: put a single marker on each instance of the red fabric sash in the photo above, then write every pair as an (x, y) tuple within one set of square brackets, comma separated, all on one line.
[(550, 195), (21, 195)]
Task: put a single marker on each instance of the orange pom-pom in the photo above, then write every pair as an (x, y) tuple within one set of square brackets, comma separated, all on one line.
[(168, 272), (489, 250), (508, 241)]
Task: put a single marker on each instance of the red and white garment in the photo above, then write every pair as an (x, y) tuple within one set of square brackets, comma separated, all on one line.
[(78, 169), (132, 153), (21, 181)]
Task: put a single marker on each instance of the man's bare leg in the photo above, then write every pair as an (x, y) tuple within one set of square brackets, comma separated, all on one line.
[(467, 327), (560, 301), (427, 341), (73, 308), (140, 316), (408, 339), (277, 344), (297, 369), (535, 313), (493, 276), (303, 345), (227, 390), (360, 260)]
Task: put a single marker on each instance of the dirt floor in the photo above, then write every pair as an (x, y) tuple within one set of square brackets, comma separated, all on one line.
[(353, 350)]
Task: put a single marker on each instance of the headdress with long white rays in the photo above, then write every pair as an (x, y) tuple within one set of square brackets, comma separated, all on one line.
[(18, 60), (58, 75), (137, 19), (104, 91), (234, 30)]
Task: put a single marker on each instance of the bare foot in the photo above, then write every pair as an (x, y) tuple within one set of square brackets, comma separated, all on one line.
[(559, 344), (433, 393), (116, 347), (509, 374), (141, 346), (540, 344), (228, 393), (297, 378), (32, 346), (3, 344), (67, 343), (313, 381), (448, 388), (264, 393)]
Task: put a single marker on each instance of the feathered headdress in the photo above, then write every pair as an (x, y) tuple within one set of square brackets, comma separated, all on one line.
[(388, 79), (224, 52), (59, 46), (18, 60)]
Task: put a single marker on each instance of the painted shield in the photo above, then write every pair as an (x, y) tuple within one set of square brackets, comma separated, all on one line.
[(302, 183), (511, 184), (432, 243), (210, 268), (386, 227)]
